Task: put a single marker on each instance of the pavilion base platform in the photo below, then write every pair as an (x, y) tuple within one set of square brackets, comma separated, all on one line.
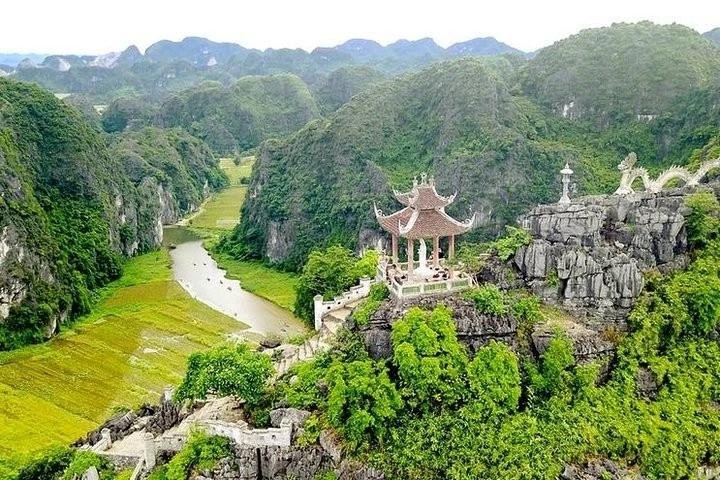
[(407, 283)]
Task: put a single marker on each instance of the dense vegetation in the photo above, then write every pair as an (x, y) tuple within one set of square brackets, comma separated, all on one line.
[(489, 129), (239, 117), (432, 412), (225, 370), (71, 208), (612, 75), (329, 273)]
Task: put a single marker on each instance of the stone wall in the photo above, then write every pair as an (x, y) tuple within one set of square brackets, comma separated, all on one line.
[(589, 256)]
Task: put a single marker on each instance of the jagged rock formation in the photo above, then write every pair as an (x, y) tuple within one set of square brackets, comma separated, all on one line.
[(589, 256)]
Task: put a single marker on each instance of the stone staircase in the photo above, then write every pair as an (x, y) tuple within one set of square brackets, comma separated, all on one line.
[(320, 342)]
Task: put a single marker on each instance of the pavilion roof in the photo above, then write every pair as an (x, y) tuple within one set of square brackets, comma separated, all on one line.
[(414, 223), (423, 196)]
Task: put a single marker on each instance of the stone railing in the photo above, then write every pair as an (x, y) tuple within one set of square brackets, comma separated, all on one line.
[(254, 437), (357, 292), (422, 288)]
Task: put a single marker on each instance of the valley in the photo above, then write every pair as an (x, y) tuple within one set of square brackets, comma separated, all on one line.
[(167, 305), (399, 261)]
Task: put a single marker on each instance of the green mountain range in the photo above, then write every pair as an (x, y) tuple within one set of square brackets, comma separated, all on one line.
[(496, 131)]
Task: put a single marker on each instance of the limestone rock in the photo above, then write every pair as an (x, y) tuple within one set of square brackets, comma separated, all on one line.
[(270, 342), (295, 416), (600, 469), (589, 256), (119, 426), (165, 417), (331, 444), (91, 474)]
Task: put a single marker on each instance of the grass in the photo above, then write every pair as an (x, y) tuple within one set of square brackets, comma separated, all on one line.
[(133, 345), (222, 211)]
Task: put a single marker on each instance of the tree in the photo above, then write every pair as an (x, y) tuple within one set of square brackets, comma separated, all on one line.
[(226, 370), (362, 401), (703, 223), (328, 273), (429, 359), (494, 378)]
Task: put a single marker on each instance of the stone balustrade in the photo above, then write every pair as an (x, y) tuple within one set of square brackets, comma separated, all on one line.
[(355, 293), (254, 437)]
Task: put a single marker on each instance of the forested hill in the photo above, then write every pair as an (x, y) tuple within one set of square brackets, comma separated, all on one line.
[(70, 208), (241, 116), (169, 66), (621, 73), (489, 129), (713, 35)]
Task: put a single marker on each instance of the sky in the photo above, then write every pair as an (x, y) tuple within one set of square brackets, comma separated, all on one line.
[(100, 26)]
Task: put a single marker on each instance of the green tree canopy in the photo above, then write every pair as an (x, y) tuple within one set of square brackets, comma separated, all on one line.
[(226, 370)]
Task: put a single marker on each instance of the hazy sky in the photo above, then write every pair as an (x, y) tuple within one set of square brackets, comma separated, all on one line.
[(99, 26)]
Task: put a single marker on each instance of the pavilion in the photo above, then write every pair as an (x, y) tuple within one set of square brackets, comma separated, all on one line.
[(423, 217)]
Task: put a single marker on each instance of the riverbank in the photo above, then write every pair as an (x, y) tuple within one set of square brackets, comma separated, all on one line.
[(219, 215), (133, 345)]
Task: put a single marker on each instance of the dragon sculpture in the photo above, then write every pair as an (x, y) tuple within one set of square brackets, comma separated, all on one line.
[(630, 173)]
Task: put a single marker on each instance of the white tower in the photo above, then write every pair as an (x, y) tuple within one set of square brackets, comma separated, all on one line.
[(566, 173)]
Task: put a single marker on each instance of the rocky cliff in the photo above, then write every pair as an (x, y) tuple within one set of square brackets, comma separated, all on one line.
[(589, 256), (71, 207)]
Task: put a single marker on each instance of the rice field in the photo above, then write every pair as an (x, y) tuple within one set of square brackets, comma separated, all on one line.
[(133, 345), (222, 211)]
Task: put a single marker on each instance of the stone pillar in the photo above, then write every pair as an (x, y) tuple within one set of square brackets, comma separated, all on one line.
[(318, 305), (566, 173), (411, 257), (395, 249), (436, 251), (105, 438), (451, 249), (149, 451)]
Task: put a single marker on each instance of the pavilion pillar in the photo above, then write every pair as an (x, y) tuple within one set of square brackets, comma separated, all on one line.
[(395, 249), (436, 251), (411, 257), (451, 250)]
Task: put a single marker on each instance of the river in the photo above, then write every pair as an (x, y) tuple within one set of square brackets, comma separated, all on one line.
[(195, 270)]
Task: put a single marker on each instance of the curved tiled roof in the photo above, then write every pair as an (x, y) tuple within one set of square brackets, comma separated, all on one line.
[(424, 197), (414, 223)]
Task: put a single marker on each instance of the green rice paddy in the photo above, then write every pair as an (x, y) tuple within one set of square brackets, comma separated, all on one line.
[(126, 352)]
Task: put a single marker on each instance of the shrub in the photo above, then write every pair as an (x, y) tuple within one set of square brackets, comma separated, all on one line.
[(429, 359), (494, 378), (82, 460), (49, 464), (201, 452), (488, 299), (225, 370), (505, 247), (378, 293), (362, 401), (527, 309), (703, 223)]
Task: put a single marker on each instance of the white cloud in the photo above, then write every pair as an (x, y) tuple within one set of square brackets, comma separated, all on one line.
[(86, 26)]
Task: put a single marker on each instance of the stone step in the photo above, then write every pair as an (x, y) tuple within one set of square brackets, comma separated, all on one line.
[(340, 314)]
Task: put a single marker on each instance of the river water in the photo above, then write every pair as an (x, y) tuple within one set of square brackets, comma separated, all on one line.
[(195, 270)]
